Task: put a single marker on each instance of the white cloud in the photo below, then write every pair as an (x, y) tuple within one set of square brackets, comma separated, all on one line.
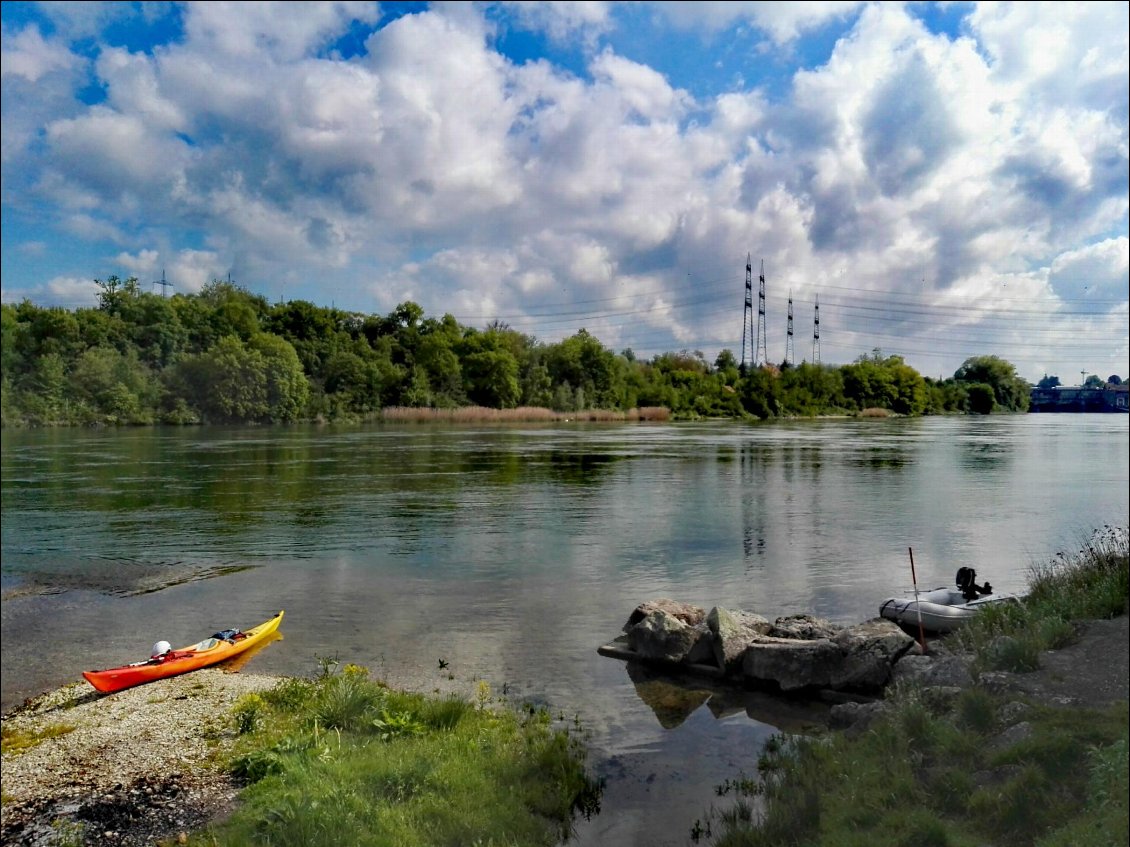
[(562, 21), (429, 167), (282, 31), (29, 55), (783, 21)]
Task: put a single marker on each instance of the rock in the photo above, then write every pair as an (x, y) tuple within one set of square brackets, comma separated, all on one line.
[(951, 670), (870, 651), (662, 636), (855, 717), (1012, 736), (852, 658), (733, 632), (791, 663), (803, 627), (1013, 711), (794, 652), (685, 612)]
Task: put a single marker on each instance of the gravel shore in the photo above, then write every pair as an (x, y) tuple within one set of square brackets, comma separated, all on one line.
[(139, 767)]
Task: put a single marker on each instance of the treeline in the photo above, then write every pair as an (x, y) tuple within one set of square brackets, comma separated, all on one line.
[(226, 355)]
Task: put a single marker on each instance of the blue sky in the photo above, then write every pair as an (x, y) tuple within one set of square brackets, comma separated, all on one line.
[(947, 180)]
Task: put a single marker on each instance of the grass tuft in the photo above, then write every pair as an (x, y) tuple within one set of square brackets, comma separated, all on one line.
[(20, 741), (343, 759)]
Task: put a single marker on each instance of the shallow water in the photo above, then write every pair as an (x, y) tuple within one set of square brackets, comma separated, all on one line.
[(439, 556)]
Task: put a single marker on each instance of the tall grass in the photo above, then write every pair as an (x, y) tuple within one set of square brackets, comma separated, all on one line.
[(933, 773), (524, 414), (1091, 583), (345, 760)]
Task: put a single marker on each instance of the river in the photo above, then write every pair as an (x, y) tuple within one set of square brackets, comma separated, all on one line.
[(439, 556)]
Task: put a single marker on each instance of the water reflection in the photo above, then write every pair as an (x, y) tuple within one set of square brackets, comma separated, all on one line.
[(673, 699), (580, 468)]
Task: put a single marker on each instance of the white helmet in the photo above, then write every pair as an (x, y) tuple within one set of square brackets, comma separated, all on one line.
[(161, 648)]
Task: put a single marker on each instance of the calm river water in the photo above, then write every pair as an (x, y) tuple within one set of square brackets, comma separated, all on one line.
[(509, 554)]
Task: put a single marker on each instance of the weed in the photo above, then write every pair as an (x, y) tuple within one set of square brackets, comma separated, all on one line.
[(248, 713), (976, 710), (19, 741), (345, 702)]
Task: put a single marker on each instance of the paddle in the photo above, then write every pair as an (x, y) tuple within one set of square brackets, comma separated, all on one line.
[(917, 604)]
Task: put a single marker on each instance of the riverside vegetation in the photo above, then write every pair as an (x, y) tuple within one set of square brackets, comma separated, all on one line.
[(936, 771), (226, 355), (343, 759)]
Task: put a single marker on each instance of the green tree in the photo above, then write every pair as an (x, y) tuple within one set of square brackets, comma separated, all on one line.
[(235, 311), (115, 294), (158, 333), (354, 381), (114, 387), (760, 393), (588, 367), (490, 371), (810, 389), (44, 390), (11, 362), (287, 387), (1009, 390), (981, 398), (225, 384)]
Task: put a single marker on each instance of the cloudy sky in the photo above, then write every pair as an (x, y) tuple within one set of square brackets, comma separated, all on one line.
[(945, 179)]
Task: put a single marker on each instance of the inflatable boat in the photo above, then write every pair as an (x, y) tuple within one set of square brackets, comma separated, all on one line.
[(944, 610)]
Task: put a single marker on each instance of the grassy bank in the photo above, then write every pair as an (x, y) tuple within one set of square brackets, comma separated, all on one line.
[(343, 759), (946, 769)]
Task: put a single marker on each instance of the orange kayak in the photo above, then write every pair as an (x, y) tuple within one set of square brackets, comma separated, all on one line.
[(210, 651)]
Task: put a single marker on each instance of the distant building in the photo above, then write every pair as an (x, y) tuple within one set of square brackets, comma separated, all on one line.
[(1110, 397)]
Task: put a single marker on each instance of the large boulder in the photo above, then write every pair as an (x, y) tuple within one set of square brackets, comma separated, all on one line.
[(857, 658), (688, 614), (660, 636), (871, 650), (791, 663), (734, 631)]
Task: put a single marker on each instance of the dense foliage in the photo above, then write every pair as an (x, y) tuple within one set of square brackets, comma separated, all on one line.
[(226, 355)]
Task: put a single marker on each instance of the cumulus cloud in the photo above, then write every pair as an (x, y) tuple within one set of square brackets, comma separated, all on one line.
[(916, 181)]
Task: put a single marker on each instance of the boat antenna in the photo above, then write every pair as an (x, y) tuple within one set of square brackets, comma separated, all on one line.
[(918, 605)]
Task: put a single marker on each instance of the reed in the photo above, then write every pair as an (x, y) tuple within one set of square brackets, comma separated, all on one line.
[(522, 414)]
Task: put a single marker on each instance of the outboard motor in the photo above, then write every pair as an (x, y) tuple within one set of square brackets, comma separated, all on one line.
[(967, 584)]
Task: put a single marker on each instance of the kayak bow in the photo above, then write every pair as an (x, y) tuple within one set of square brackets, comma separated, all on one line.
[(210, 651)]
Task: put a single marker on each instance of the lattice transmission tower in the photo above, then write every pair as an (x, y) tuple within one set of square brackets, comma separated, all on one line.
[(747, 315), (816, 334), (762, 354), (789, 337), (165, 285)]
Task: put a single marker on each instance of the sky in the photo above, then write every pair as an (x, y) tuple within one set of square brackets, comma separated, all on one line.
[(932, 180)]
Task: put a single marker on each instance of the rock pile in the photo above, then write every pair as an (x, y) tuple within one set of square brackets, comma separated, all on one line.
[(792, 653)]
